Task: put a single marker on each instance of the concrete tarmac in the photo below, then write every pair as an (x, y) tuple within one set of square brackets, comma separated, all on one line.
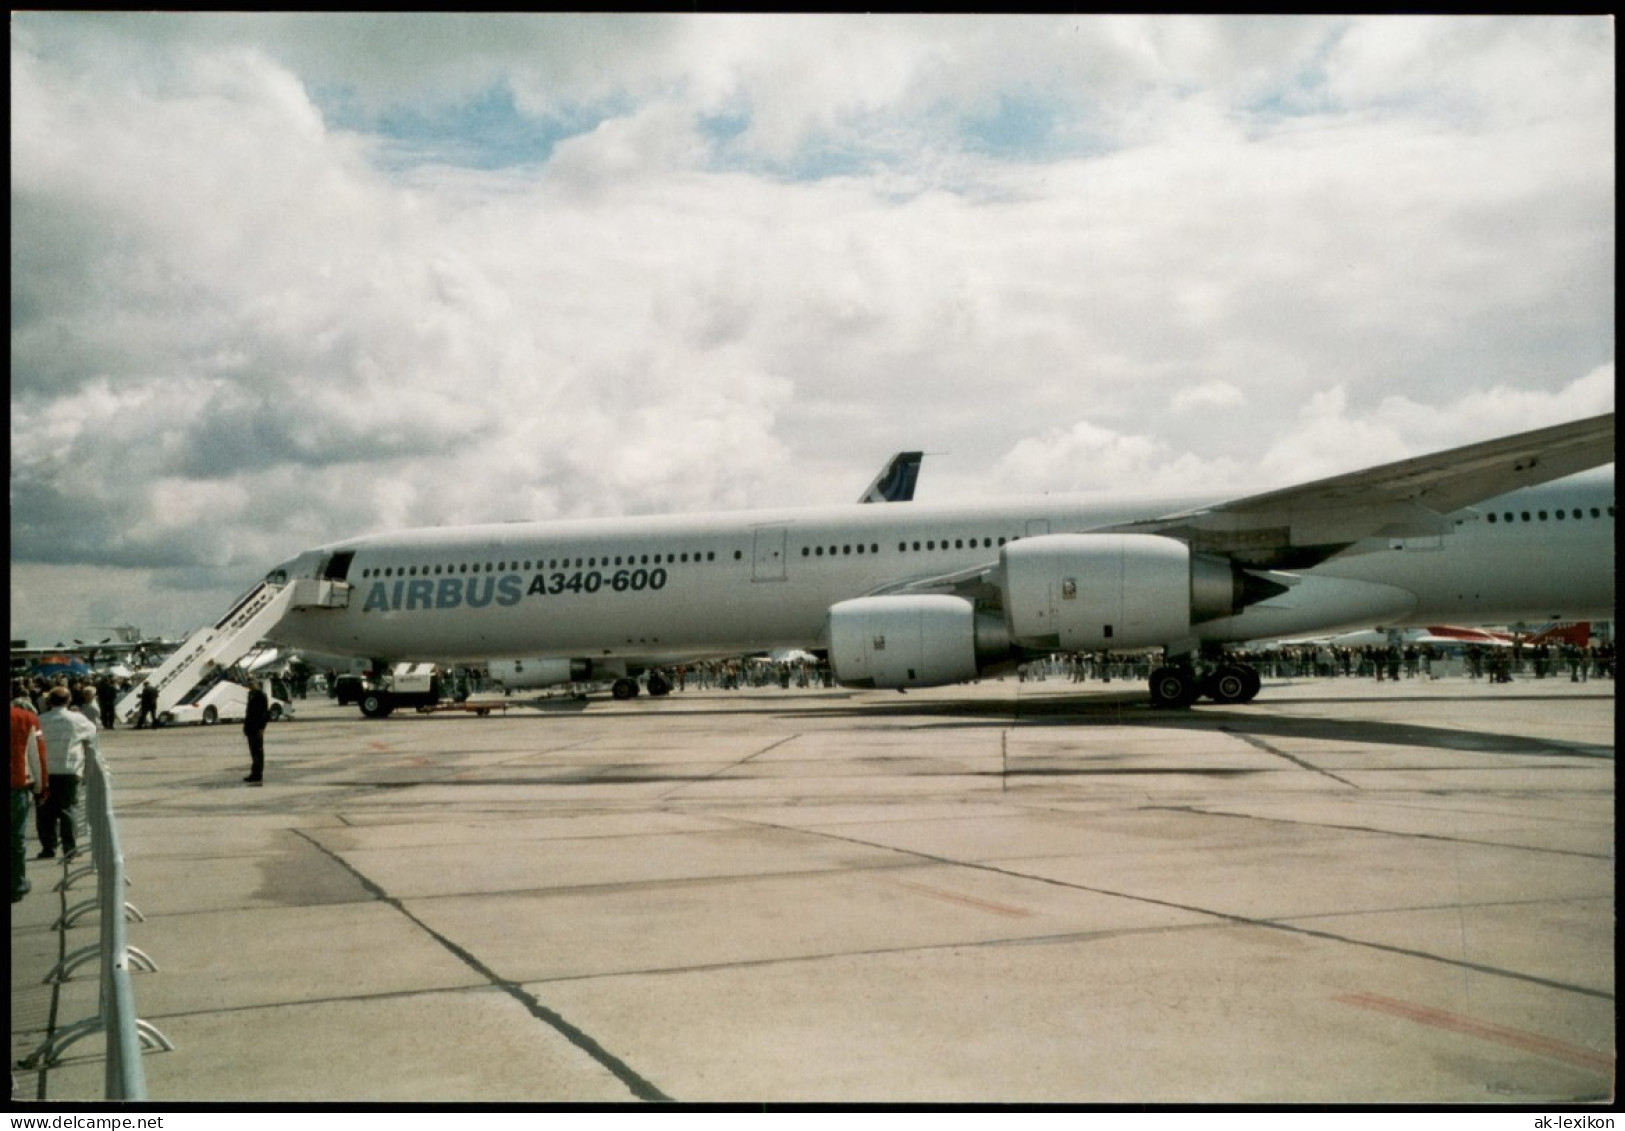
[(1346, 892)]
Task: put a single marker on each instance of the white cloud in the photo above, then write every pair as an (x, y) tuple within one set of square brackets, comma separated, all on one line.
[(1227, 252), (1209, 395)]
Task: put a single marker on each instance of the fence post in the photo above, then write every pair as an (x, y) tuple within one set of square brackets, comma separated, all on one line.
[(115, 1015)]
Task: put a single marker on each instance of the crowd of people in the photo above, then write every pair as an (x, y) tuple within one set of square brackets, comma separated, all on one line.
[(54, 733), (97, 696), (1308, 661), (1377, 662)]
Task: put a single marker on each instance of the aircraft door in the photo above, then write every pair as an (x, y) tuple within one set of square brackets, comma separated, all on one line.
[(337, 567), (767, 561)]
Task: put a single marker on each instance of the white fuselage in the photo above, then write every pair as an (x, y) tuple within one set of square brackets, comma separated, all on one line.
[(672, 587)]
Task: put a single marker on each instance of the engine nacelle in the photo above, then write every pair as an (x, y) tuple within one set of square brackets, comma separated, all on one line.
[(1090, 592), (517, 674), (911, 641)]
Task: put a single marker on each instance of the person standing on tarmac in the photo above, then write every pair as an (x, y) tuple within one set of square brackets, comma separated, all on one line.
[(69, 740), (29, 773), (149, 707), (255, 720)]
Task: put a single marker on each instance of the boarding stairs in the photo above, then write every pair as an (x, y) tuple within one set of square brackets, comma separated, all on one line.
[(209, 651)]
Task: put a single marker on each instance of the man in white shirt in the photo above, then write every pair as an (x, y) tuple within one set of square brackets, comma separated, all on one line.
[(69, 739)]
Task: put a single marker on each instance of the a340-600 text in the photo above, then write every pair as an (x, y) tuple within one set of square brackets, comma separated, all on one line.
[(407, 594)]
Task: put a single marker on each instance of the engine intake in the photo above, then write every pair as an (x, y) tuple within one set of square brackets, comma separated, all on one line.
[(912, 641)]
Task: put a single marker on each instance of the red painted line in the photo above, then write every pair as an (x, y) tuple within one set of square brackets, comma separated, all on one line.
[(1500, 1034)]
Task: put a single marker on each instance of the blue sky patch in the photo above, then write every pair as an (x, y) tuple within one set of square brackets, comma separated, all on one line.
[(486, 132)]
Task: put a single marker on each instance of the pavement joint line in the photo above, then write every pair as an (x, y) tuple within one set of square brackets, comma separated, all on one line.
[(877, 951), (1439, 837), (1480, 906), (623, 1072), (1246, 921), (1259, 744), (728, 767)]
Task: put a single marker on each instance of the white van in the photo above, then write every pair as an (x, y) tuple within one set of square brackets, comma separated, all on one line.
[(224, 702)]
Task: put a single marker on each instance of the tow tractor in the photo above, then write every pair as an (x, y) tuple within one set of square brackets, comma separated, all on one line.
[(415, 686)]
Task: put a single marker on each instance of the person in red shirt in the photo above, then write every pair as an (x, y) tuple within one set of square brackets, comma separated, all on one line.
[(29, 774)]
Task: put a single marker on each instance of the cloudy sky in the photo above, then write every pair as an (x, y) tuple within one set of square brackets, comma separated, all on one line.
[(278, 280)]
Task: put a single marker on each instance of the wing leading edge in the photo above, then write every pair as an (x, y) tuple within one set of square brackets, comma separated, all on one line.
[(1298, 527)]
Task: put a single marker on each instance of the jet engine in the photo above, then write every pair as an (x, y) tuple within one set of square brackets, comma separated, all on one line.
[(517, 674), (1087, 592), (912, 641), (1060, 592)]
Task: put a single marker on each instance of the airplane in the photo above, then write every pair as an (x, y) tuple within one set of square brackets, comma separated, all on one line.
[(1572, 633), (1500, 531)]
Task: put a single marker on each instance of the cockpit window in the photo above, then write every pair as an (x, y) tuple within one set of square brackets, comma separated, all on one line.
[(277, 577)]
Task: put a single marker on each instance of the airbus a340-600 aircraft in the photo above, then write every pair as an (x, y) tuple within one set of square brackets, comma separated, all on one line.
[(917, 595)]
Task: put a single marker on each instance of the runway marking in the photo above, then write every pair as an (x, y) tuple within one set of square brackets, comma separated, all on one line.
[(1500, 1034), (963, 900)]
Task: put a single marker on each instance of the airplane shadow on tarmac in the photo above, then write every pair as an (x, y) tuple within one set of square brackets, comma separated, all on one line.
[(1132, 708)]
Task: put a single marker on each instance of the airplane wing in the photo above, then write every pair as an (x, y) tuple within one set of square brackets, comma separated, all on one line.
[(1298, 527), (895, 483)]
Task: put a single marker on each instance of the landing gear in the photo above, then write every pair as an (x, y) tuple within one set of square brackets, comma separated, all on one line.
[(1173, 686), (1232, 683), (1181, 684), (624, 688), (659, 684)]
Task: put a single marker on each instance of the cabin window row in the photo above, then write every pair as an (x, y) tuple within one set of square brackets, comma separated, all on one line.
[(1542, 516), (594, 562), (848, 549)]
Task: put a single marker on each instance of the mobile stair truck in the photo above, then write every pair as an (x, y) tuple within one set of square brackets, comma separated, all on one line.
[(211, 650)]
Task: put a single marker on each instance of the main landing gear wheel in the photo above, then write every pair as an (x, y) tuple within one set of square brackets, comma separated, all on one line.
[(1232, 683), (658, 684), (1173, 687), (624, 688), (1255, 683)]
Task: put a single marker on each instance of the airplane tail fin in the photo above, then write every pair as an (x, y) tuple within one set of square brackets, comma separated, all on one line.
[(895, 483), (1577, 633)]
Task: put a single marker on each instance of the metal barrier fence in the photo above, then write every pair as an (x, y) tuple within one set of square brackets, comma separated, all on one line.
[(127, 1035)]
